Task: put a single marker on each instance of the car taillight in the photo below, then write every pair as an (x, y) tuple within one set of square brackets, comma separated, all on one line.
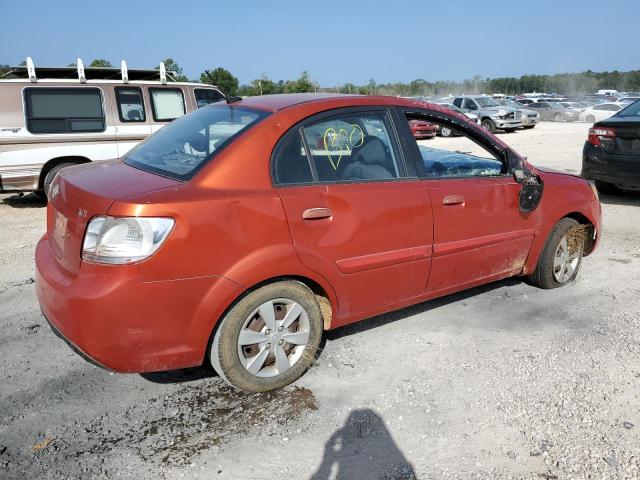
[(597, 135)]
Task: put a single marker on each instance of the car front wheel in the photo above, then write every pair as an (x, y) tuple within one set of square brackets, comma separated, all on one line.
[(488, 125), (269, 338), (561, 257)]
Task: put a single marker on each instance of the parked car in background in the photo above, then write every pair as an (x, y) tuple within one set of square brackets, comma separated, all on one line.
[(554, 111), (599, 112), (443, 131), (530, 118), (624, 100), (421, 129), (243, 251), (52, 118), (492, 115), (611, 154), (578, 106)]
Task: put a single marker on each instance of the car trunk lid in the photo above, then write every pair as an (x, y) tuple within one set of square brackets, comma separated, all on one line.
[(627, 135), (82, 192)]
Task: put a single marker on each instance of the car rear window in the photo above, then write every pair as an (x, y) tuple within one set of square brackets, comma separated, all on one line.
[(181, 148), (632, 110)]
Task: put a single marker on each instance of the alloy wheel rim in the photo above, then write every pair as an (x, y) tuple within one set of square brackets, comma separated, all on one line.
[(445, 132), (273, 337), (565, 262)]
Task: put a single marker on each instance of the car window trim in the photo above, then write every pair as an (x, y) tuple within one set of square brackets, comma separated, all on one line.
[(440, 117), (153, 103), (118, 105), (337, 112)]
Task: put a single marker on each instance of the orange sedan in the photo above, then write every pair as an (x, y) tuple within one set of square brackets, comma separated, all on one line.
[(239, 233)]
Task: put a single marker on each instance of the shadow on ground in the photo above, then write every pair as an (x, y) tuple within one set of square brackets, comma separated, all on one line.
[(363, 448), (28, 200), (625, 198)]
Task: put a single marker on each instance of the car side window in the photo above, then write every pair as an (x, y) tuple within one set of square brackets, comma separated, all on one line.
[(453, 154), (291, 164), (130, 104), (352, 147), (207, 96), (167, 103), (469, 104)]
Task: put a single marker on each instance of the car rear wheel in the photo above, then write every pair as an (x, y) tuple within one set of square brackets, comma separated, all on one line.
[(269, 338), (590, 119), (51, 174), (488, 125), (557, 117), (561, 257)]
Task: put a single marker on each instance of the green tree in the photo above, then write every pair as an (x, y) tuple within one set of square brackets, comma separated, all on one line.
[(302, 85), (222, 78), (175, 70), (100, 62)]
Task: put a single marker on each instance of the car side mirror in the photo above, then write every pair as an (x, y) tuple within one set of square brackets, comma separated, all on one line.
[(530, 196)]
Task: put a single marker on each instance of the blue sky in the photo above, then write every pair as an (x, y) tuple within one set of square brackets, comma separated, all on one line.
[(336, 41)]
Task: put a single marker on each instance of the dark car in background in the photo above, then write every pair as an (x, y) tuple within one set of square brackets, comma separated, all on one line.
[(611, 154), (554, 111)]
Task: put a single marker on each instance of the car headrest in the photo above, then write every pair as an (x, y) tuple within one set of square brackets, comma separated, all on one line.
[(373, 151)]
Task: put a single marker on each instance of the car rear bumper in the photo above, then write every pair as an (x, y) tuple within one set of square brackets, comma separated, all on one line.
[(19, 179), (110, 316), (620, 170)]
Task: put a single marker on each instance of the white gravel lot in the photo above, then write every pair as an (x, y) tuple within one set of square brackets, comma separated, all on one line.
[(502, 381)]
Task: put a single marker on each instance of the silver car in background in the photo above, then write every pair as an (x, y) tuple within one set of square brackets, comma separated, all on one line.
[(554, 111), (530, 118)]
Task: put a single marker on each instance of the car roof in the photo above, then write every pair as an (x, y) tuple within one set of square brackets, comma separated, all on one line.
[(276, 103)]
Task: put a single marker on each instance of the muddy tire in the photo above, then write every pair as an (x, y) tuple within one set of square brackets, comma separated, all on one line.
[(51, 174), (561, 256), (269, 338)]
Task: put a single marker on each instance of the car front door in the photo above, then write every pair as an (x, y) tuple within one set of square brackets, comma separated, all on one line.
[(358, 215), (480, 234)]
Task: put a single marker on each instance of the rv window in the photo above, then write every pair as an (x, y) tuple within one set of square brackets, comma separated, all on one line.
[(206, 96), (167, 103), (130, 104), (64, 110)]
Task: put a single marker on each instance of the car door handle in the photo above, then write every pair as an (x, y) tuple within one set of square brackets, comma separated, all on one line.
[(316, 213), (453, 200)]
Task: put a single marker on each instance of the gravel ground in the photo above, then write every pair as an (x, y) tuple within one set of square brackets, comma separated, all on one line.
[(502, 381)]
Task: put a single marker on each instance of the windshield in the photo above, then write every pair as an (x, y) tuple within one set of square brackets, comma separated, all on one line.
[(182, 147), (486, 102), (632, 110)]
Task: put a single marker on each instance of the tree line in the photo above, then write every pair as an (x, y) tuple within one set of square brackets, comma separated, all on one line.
[(563, 83)]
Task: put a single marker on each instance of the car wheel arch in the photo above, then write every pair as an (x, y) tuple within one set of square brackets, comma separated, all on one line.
[(54, 162)]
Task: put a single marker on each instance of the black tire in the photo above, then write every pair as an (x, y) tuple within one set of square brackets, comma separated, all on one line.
[(590, 119), (544, 277), (51, 174), (509, 130), (607, 188), (224, 354), (488, 125)]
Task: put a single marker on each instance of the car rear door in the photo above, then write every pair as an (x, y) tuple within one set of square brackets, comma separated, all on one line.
[(358, 215), (480, 234)]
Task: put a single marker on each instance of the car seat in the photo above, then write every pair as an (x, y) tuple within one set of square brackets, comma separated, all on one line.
[(369, 161)]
